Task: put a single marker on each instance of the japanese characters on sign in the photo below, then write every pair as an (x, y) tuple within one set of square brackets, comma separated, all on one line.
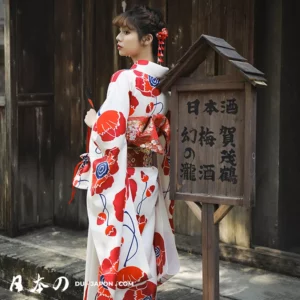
[(210, 137)]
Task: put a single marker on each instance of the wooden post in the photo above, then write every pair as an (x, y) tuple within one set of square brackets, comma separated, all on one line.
[(10, 205), (210, 254)]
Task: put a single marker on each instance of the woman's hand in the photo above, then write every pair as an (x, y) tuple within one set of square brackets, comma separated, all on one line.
[(90, 117)]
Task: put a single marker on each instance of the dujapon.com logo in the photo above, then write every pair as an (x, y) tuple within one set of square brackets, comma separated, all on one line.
[(106, 283), (17, 285)]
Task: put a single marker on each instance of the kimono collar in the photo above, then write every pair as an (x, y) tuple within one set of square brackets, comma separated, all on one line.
[(150, 68)]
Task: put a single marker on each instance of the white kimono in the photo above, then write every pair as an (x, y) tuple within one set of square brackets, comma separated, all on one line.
[(131, 246)]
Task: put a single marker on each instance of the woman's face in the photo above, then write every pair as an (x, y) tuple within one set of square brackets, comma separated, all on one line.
[(128, 43)]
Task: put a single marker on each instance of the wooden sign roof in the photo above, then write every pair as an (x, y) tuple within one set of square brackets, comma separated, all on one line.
[(197, 53)]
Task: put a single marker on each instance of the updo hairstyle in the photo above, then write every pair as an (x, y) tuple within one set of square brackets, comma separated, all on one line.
[(144, 20)]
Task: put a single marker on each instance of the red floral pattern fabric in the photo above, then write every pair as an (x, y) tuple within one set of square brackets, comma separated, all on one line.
[(115, 76), (110, 125), (145, 132), (146, 291), (103, 171), (159, 248), (146, 84), (133, 103), (128, 205)]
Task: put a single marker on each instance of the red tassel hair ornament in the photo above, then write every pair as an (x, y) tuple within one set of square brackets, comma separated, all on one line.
[(161, 36)]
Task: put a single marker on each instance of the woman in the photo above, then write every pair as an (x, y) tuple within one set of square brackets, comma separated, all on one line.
[(131, 247)]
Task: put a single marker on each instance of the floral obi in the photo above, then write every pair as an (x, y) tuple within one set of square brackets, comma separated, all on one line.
[(143, 139)]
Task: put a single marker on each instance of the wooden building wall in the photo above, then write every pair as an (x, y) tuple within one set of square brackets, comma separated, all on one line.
[(289, 116), (68, 109), (276, 215), (85, 56), (27, 119), (269, 23), (2, 114), (6, 210), (69, 45), (55, 49), (233, 21)]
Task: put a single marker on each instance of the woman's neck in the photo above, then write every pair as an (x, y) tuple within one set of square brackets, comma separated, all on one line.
[(144, 55)]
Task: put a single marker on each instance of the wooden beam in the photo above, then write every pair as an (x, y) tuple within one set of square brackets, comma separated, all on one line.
[(11, 112), (197, 197), (210, 254), (221, 212), (195, 209)]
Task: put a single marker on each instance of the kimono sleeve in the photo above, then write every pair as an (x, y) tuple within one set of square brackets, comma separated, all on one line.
[(109, 134)]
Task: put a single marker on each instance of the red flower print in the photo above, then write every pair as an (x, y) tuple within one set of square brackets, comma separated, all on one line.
[(115, 76), (145, 291), (132, 183), (103, 294), (150, 190), (86, 291), (110, 125), (113, 155), (119, 204), (144, 177), (111, 230), (101, 218), (159, 248), (107, 274), (130, 171), (146, 84), (166, 165), (132, 275), (138, 73), (149, 107), (133, 188), (103, 169), (142, 220), (140, 62), (133, 103)]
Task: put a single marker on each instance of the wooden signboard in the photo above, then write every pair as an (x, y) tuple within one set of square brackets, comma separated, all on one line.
[(213, 122), (214, 155)]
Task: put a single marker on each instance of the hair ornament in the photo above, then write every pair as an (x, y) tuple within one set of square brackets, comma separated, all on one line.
[(161, 36)]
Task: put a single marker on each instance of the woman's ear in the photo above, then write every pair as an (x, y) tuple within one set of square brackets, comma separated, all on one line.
[(147, 39)]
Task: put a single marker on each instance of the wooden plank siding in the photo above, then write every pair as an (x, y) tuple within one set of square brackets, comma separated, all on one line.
[(68, 114), (2, 119), (9, 128), (34, 95), (231, 20), (67, 46), (106, 59), (289, 205), (3, 173)]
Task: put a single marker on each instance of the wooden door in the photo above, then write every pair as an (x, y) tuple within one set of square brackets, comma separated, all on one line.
[(2, 121), (29, 106)]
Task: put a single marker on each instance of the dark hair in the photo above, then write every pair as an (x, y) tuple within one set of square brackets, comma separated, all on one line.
[(144, 20)]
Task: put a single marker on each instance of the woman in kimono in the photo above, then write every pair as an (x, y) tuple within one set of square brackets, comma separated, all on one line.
[(131, 247)]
